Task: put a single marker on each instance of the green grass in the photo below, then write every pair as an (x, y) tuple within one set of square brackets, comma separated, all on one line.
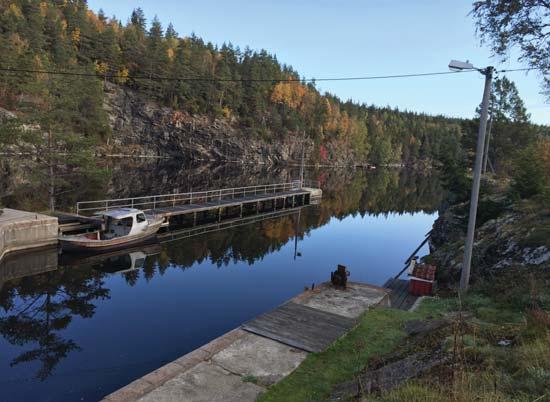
[(249, 378), (512, 306), (500, 307), (379, 332)]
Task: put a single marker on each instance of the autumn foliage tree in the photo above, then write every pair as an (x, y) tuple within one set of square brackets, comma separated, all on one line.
[(250, 89)]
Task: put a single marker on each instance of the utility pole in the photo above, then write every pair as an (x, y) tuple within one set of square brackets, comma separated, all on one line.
[(486, 152), (466, 264)]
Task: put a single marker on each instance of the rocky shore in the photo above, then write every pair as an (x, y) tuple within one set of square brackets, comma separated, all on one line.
[(509, 234), (143, 128)]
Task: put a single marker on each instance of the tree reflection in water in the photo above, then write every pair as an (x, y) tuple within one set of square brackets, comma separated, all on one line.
[(41, 307), (38, 308)]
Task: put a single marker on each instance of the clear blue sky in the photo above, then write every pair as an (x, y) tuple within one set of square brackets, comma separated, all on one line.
[(322, 38)]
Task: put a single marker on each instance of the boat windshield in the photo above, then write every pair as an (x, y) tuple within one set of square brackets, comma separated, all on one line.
[(119, 227), (126, 222)]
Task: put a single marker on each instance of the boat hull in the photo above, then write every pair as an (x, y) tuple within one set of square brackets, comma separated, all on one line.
[(83, 245)]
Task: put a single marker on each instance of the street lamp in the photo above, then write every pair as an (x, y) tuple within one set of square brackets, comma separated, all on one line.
[(456, 65)]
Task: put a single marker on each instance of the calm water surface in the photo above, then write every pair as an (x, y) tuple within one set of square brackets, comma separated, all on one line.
[(79, 329)]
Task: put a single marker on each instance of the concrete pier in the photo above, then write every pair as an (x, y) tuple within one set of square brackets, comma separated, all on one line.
[(20, 230), (240, 365)]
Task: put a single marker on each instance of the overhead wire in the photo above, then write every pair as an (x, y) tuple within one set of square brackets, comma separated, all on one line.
[(12, 70)]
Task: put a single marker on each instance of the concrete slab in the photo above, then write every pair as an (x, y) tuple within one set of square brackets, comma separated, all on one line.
[(163, 374), (205, 382), (223, 341), (20, 230), (350, 302), (130, 392), (314, 192), (215, 371), (266, 360)]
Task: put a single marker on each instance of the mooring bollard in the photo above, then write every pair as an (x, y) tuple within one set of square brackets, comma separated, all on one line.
[(339, 278)]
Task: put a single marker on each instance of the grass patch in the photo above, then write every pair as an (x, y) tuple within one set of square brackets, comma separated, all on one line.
[(249, 378), (511, 307), (380, 331)]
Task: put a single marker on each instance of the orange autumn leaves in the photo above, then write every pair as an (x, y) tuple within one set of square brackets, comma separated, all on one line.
[(291, 94), (297, 96)]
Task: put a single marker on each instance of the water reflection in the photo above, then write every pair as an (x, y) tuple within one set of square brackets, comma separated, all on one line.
[(39, 307), (50, 304), (383, 190)]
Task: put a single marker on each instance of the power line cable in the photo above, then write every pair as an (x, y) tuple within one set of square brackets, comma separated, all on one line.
[(515, 69), (209, 79)]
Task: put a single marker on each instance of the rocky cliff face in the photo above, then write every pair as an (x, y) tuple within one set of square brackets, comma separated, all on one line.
[(508, 235), (147, 129)]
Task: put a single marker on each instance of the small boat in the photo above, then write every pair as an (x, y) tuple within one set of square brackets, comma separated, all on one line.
[(121, 228)]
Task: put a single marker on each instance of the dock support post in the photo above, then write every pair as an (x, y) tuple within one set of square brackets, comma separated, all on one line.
[(220, 215), (241, 210), (194, 219)]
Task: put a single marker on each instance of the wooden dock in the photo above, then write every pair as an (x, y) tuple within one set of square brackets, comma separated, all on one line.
[(300, 326), (213, 205), (274, 201)]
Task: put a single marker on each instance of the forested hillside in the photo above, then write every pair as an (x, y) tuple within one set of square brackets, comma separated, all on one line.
[(241, 87)]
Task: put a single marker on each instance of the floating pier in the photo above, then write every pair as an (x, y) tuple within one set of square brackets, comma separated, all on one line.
[(266, 349), (21, 230), (212, 205)]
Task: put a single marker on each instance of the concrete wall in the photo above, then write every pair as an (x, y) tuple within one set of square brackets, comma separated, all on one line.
[(20, 230), (27, 263)]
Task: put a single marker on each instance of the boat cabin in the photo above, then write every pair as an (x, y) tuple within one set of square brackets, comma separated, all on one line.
[(123, 222)]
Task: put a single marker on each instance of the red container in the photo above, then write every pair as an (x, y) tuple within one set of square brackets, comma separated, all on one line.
[(424, 271), (420, 287)]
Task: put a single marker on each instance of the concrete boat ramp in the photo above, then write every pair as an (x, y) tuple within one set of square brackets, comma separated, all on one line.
[(241, 364)]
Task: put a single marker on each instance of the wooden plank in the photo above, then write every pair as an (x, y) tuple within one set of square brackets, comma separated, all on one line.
[(399, 296), (408, 302), (300, 326)]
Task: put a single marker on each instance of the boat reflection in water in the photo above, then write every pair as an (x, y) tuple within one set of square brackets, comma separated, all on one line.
[(120, 261), (42, 293), (78, 327)]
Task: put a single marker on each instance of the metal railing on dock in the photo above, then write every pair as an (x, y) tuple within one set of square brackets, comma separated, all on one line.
[(173, 199)]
